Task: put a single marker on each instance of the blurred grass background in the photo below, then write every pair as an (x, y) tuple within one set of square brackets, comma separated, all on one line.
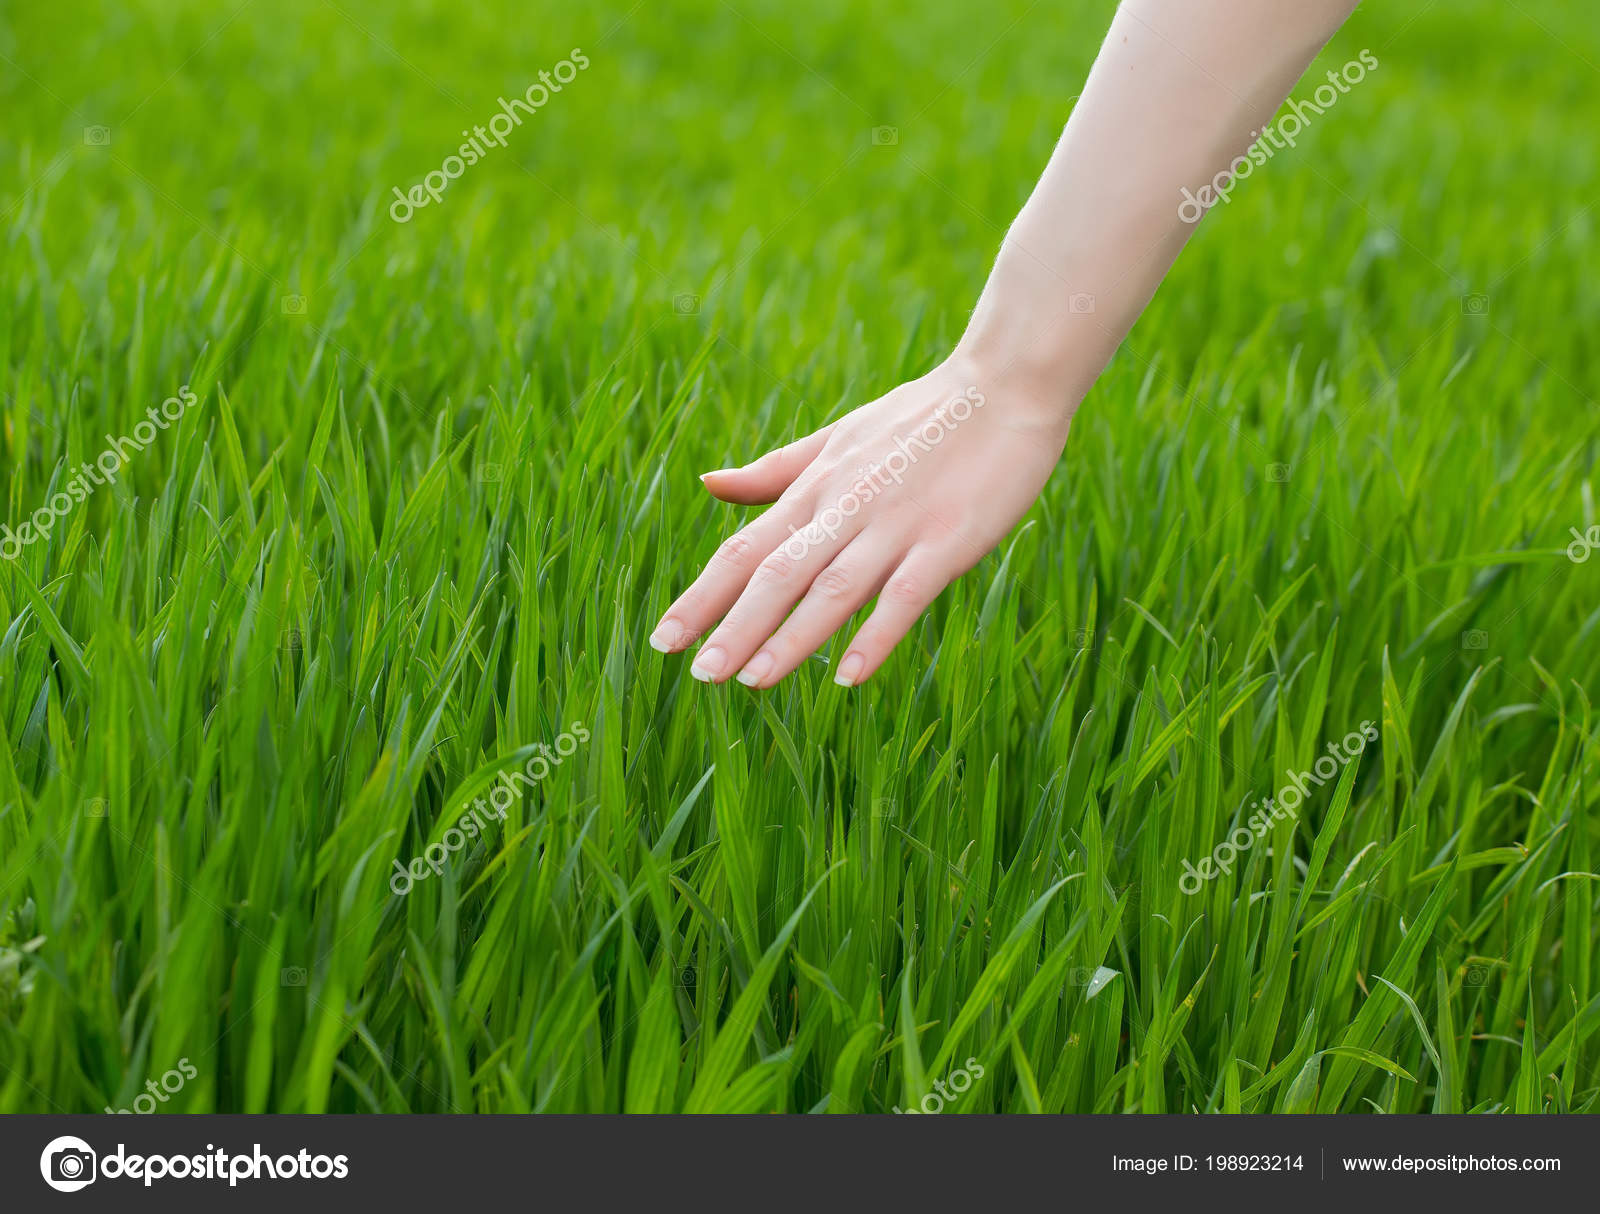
[(426, 523)]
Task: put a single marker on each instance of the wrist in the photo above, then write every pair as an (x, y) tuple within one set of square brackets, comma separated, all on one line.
[(1036, 374), (1036, 335), (1026, 398), (1031, 371)]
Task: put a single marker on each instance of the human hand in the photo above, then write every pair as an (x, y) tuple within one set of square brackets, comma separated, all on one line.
[(895, 500)]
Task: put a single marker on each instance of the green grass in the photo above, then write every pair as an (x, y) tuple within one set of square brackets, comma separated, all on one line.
[(409, 534)]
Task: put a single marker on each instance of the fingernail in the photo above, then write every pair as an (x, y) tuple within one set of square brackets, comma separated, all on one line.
[(666, 636), (707, 664), (758, 668), (850, 670)]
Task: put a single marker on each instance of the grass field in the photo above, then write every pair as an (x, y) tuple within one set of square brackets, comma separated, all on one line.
[(438, 483)]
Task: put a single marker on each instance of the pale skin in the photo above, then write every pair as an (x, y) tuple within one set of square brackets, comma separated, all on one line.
[(1177, 92)]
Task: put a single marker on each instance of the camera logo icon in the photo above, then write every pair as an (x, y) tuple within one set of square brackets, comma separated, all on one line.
[(1081, 304), (1475, 638), (95, 807), (1474, 305), (885, 136), (685, 304), (294, 305), (97, 136), (67, 1164), (1277, 473), (292, 975), (491, 474)]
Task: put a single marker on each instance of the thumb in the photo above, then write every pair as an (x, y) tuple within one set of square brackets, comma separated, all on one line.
[(765, 479)]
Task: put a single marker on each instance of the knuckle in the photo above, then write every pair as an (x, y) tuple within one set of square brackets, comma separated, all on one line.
[(734, 550), (776, 568), (834, 583), (905, 587)]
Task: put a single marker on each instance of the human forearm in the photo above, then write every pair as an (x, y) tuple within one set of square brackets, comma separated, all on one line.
[(1179, 89)]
